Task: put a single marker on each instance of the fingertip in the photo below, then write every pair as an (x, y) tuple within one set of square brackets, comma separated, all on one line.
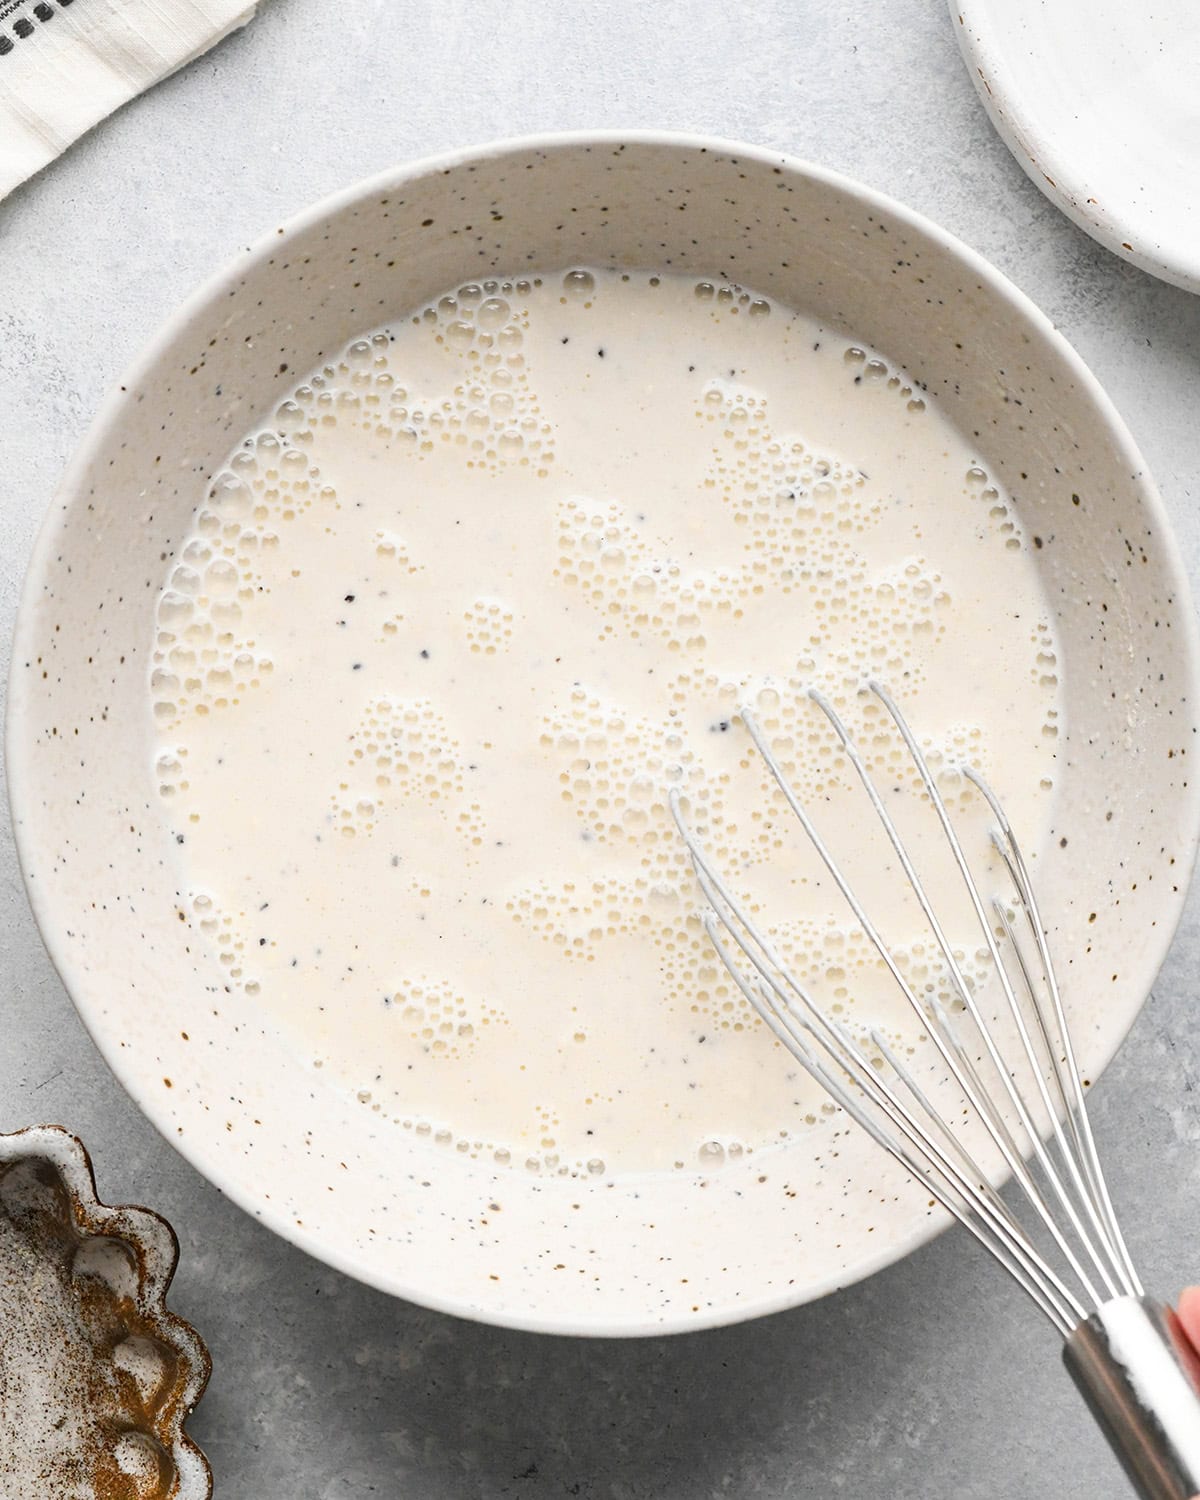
[(1188, 1310)]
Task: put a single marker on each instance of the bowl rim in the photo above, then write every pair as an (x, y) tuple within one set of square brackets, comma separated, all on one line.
[(19, 748)]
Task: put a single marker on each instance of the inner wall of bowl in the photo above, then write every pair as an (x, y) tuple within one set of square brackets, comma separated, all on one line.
[(292, 1145)]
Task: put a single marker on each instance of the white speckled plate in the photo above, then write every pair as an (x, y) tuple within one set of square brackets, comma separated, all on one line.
[(1097, 101), (619, 1255)]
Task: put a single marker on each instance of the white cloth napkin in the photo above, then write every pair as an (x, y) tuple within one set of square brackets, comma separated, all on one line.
[(65, 64)]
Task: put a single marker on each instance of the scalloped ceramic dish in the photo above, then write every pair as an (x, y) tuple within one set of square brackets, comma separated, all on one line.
[(292, 1146), (97, 1377)]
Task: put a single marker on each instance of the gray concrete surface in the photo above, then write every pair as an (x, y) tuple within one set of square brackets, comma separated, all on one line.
[(930, 1381)]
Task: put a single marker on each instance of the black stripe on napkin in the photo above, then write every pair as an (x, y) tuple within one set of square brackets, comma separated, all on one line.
[(21, 15)]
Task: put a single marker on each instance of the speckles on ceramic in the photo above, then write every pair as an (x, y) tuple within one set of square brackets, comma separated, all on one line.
[(96, 1377), (1093, 102), (280, 1136)]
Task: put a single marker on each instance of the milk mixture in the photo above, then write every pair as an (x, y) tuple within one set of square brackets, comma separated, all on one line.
[(448, 626)]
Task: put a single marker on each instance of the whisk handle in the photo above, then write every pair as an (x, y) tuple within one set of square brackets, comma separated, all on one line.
[(1141, 1378)]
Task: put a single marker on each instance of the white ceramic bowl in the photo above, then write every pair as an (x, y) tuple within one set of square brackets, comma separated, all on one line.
[(289, 1144)]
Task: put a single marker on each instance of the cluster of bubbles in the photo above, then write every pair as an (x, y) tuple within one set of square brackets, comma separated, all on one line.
[(546, 1159), (576, 919), (542, 1161), (489, 626), (836, 963), (775, 484), (716, 1153), (205, 656), (999, 512), (871, 371), (391, 548), (439, 1019), (170, 770), (1002, 520), (492, 412), (615, 773), (1049, 732), (729, 297), (226, 936), (402, 748), (545, 1156), (615, 768), (725, 296), (542, 1158), (796, 515), (606, 557)]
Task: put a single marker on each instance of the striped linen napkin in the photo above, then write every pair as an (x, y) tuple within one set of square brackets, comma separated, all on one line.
[(65, 64)]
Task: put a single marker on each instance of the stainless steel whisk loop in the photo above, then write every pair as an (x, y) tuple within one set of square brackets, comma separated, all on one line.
[(1127, 1354)]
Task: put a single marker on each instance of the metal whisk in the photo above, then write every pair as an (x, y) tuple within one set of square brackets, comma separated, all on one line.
[(1127, 1353)]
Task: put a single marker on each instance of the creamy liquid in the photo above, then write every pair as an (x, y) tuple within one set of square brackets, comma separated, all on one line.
[(448, 627)]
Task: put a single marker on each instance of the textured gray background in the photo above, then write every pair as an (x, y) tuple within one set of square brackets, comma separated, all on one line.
[(932, 1380)]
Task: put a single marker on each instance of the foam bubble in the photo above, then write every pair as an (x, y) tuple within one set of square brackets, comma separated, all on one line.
[(579, 284)]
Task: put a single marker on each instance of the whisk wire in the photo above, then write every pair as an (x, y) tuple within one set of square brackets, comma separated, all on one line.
[(948, 1045), (915, 1132), (1007, 1246), (1066, 1068), (1074, 1162), (1124, 1351), (993, 1225), (974, 1171), (769, 995), (1016, 1096), (942, 1036), (1075, 1157)]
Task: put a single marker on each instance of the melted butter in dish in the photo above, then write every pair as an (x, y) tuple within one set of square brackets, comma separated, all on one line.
[(449, 625)]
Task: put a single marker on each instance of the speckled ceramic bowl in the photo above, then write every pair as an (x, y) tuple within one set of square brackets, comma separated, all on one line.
[(97, 1377), (290, 1144)]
